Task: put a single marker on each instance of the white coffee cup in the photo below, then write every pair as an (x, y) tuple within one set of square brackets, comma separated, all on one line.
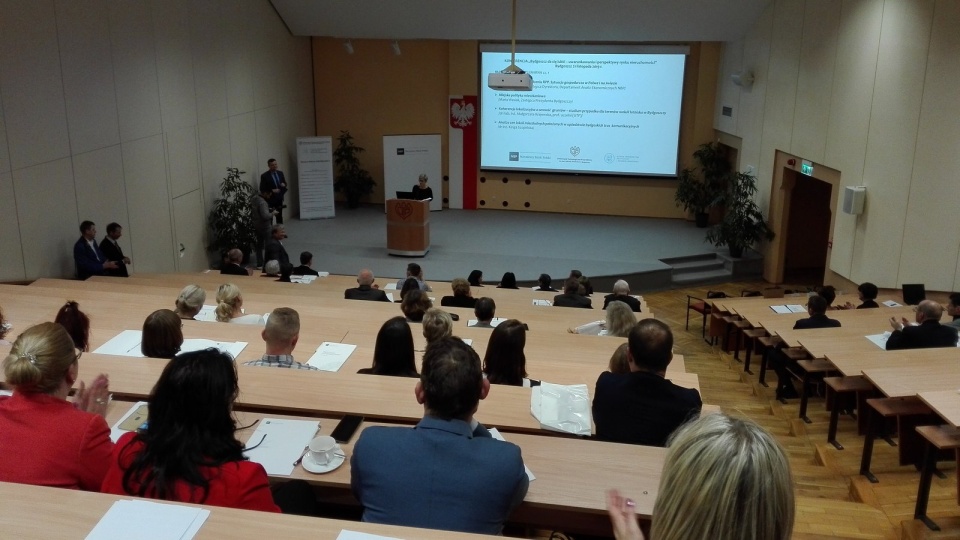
[(323, 449)]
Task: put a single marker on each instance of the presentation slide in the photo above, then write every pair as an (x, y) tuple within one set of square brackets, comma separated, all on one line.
[(590, 113)]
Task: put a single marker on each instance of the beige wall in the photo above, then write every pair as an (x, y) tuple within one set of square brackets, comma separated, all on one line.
[(112, 110), (869, 88), (407, 94)]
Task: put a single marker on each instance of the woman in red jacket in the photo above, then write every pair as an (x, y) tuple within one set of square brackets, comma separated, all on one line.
[(44, 439), (188, 452)]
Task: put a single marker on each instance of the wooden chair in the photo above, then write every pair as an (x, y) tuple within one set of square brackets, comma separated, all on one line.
[(702, 307), (939, 439)]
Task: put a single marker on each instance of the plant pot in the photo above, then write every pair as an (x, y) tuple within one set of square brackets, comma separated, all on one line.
[(736, 251), (702, 219)]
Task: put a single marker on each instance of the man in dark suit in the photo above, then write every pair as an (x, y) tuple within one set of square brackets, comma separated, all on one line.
[(274, 182), (365, 289), (112, 251), (444, 473), (621, 293), (273, 250), (306, 265), (484, 310), (927, 333), (231, 266), (816, 309), (87, 257), (570, 296), (642, 406), (953, 310), (461, 295)]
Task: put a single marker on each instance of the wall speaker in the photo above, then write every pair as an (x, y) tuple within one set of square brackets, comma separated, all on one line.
[(853, 198)]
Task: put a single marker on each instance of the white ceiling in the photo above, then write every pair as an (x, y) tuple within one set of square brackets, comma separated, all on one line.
[(537, 20)]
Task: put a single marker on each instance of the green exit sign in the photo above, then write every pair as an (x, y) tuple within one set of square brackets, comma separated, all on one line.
[(806, 167)]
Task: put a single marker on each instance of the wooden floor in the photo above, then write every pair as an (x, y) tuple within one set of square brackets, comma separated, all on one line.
[(834, 501)]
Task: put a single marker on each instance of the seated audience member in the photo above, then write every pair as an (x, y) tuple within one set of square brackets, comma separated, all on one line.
[(484, 310), (286, 270), (306, 265), (475, 481), (618, 362), (271, 268), (508, 281), (953, 310), (748, 492), (232, 265), (868, 295), (87, 257), (414, 271), (585, 288), (504, 362), (189, 452), (927, 333), (5, 328), (475, 278), (618, 321), (437, 324), (643, 407), (393, 354), (415, 304), (190, 302), (113, 252), (162, 334), (410, 284), (621, 293), (545, 282), (281, 335), (783, 365), (365, 289), (77, 324), (44, 439), (829, 293), (571, 297), (461, 295), (230, 306)]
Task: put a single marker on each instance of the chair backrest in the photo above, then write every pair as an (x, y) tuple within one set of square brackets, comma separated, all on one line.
[(914, 293), (773, 292), (716, 294)]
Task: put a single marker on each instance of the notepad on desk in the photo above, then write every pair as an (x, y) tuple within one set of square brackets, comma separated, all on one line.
[(150, 521), (331, 356), (127, 343), (277, 443)]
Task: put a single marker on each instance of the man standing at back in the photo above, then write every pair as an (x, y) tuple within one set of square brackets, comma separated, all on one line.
[(273, 248), (274, 182), (262, 222), (87, 257), (642, 406), (447, 472), (112, 251)]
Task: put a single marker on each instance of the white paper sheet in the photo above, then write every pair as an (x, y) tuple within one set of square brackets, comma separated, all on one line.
[(468, 341), (390, 287), (780, 309), (880, 340), (282, 443), (150, 520), (564, 408), (542, 302), (495, 433), (207, 314), (115, 431), (303, 279), (198, 344), (390, 296), (494, 322), (354, 535), (127, 343), (331, 356), (891, 303), (796, 308)]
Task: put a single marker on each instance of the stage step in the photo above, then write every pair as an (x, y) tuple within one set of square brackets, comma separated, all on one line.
[(689, 278), (710, 268), (704, 265)]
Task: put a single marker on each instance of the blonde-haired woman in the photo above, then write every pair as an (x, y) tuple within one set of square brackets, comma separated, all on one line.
[(436, 324), (729, 474), (46, 440), (190, 302), (618, 321), (230, 306)]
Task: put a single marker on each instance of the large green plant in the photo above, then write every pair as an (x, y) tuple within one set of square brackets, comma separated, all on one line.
[(701, 188), (352, 179), (231, 219), (743, 224)]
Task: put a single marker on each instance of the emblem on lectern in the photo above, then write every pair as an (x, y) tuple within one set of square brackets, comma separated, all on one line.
[(404, 210)]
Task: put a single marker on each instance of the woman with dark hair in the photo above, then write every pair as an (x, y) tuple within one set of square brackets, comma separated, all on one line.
[(77, 324), (189, 451), (505, 362), (393, 354), (475, 278), (409, 284), (508, 281), (415, 304), (162, 334), (546, 283)]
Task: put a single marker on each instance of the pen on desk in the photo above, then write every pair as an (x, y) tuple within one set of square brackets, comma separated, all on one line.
[(300, 459)]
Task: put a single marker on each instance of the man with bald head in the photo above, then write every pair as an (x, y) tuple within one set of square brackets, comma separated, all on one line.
[(365, 289), (927, 333), (231, 266)]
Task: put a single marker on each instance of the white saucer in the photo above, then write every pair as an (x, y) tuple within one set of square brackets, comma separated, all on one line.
[(310, 465)]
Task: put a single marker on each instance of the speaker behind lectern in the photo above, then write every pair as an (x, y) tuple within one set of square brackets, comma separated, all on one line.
[(853, 198)]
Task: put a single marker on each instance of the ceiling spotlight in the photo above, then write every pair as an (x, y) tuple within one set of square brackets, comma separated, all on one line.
[(396, 47), (348, 46)]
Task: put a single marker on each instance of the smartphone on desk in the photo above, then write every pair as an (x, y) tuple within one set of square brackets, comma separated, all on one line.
[(346, 428)]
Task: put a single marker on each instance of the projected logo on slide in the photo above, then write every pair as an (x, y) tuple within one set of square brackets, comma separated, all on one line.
[(399, 151), (608, 158), (514, 156), (574, 151)]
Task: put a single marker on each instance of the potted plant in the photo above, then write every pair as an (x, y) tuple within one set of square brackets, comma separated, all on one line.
[(743, 225), (701, 188), (231, 219), (352, 180)]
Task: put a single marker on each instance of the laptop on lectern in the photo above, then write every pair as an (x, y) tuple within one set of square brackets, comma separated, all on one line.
[(408, 195)]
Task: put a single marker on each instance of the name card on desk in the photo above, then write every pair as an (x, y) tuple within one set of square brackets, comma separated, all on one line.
[(537, 302), (331, 356), (150, 521)]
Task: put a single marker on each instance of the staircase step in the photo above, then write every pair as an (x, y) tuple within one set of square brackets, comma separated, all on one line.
[(674, 261), (709, 276), (696, 266)]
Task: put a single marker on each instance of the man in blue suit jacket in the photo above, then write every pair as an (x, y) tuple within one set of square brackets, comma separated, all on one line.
[(274, 182), (447, 472), (87, 257)]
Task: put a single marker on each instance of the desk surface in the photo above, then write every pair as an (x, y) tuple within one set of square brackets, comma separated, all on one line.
[(946, 403), (912, 379)]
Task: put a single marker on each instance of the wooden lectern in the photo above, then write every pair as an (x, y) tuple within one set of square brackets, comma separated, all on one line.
[(408, 227)]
